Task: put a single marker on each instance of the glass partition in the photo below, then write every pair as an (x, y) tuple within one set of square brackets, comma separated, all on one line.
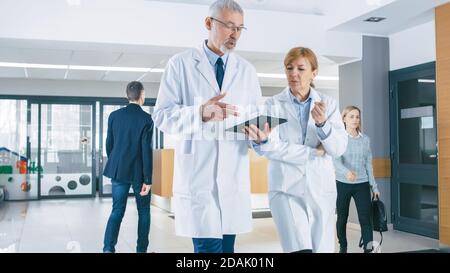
[(18, 176), (66, 150)]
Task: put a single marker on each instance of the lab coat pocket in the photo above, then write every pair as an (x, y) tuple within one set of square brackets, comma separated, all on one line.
[(187, 147)]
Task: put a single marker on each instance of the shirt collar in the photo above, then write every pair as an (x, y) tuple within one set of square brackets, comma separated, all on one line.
[(358, 136), (297, 101), (212, 57)]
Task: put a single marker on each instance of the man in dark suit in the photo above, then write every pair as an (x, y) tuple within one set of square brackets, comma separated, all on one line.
[(129, 150)]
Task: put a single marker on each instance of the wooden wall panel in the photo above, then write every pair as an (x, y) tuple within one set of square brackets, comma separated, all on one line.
[(163, 172), (258, 173), (442, 20), (162, 178), (381, 167)]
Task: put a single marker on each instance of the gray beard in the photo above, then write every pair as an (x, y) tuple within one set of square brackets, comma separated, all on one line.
[(224, 49)]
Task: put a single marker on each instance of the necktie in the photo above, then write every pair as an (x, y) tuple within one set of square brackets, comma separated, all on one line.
[(219, 72)]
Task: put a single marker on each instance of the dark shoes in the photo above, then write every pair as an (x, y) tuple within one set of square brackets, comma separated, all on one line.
[(342, 249), (370, 250)]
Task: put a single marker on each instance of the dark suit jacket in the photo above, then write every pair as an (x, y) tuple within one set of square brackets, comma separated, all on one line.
[(129, 145)]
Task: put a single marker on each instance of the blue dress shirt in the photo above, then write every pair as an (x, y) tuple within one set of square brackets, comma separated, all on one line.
[(212, 57)]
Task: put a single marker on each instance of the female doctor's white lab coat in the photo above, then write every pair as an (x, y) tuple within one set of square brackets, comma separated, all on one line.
[(211, 183), (302, 187)]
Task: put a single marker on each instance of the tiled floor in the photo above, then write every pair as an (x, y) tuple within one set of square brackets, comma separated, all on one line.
[(74, 225)]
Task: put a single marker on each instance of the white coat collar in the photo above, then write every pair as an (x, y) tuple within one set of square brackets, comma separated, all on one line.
[(285, 95), (207, 72)]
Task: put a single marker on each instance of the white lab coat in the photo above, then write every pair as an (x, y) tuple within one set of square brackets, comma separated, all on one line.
[(211, 183), (302, 188)]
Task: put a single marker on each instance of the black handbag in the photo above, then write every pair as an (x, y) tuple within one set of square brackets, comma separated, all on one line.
[(379, 219)]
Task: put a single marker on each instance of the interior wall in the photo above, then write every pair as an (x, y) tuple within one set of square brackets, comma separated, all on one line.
[(413, 46)]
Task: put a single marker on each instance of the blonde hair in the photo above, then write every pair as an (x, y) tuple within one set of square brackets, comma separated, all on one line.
[(304, 52), (349, 109)]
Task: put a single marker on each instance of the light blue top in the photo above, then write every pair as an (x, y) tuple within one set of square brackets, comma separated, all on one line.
[(358, 159), (302, 108), (212, 57)]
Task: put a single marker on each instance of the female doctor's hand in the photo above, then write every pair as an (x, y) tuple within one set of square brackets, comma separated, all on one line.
[(257, 135), (319, 112)]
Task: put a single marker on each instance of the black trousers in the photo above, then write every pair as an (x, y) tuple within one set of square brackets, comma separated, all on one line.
[(362, 196)]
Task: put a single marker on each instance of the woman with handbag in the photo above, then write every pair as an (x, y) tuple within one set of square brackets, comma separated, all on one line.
[(354, 175)]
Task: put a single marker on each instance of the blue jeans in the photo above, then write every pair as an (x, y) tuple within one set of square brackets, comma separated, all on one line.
[(120, 195), (214, 245)]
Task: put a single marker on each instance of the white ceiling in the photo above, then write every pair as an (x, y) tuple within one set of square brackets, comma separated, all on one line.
[(342, 15), (400, 15), (314, 7), (305, 6)]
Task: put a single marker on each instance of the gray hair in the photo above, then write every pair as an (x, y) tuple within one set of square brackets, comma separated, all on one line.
[(220, 5)]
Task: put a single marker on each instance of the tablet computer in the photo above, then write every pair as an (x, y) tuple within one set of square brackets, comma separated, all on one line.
[(259, 121)]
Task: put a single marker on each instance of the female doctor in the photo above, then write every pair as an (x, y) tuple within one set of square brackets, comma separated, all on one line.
[(302, 185)]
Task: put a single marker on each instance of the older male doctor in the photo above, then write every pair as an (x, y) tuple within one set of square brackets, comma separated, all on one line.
[(200, 88)]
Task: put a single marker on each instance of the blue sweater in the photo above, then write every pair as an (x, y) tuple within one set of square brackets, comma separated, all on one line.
[(358, 159)]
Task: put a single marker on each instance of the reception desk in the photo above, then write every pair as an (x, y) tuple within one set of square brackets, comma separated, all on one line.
[(163, 172)]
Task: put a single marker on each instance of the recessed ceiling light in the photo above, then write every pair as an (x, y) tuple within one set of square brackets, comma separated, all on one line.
[(426, 81), (73, 2), (271, 75), (27, 65), (374, 2), (283, 76), (109, 68), (374, 19)]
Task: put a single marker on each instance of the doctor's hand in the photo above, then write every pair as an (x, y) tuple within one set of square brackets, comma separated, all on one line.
[(351, 176), (320, 151), (257, 135), (319, 112), (145, 189), (214, 110)]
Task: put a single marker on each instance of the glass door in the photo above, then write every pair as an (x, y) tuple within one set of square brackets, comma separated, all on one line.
[(106, 108), (65, 146), (18, 177), (414, 150)]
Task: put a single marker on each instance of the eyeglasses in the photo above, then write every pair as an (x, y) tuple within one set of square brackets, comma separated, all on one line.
[(230, 26)]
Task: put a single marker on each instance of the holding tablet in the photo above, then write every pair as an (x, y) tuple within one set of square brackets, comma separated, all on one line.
[(259, 122)]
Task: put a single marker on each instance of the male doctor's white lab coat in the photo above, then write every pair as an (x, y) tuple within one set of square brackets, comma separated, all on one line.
[(211, 183)]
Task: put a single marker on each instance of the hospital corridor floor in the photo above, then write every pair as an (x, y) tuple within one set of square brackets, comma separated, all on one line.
[(78, 225)]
